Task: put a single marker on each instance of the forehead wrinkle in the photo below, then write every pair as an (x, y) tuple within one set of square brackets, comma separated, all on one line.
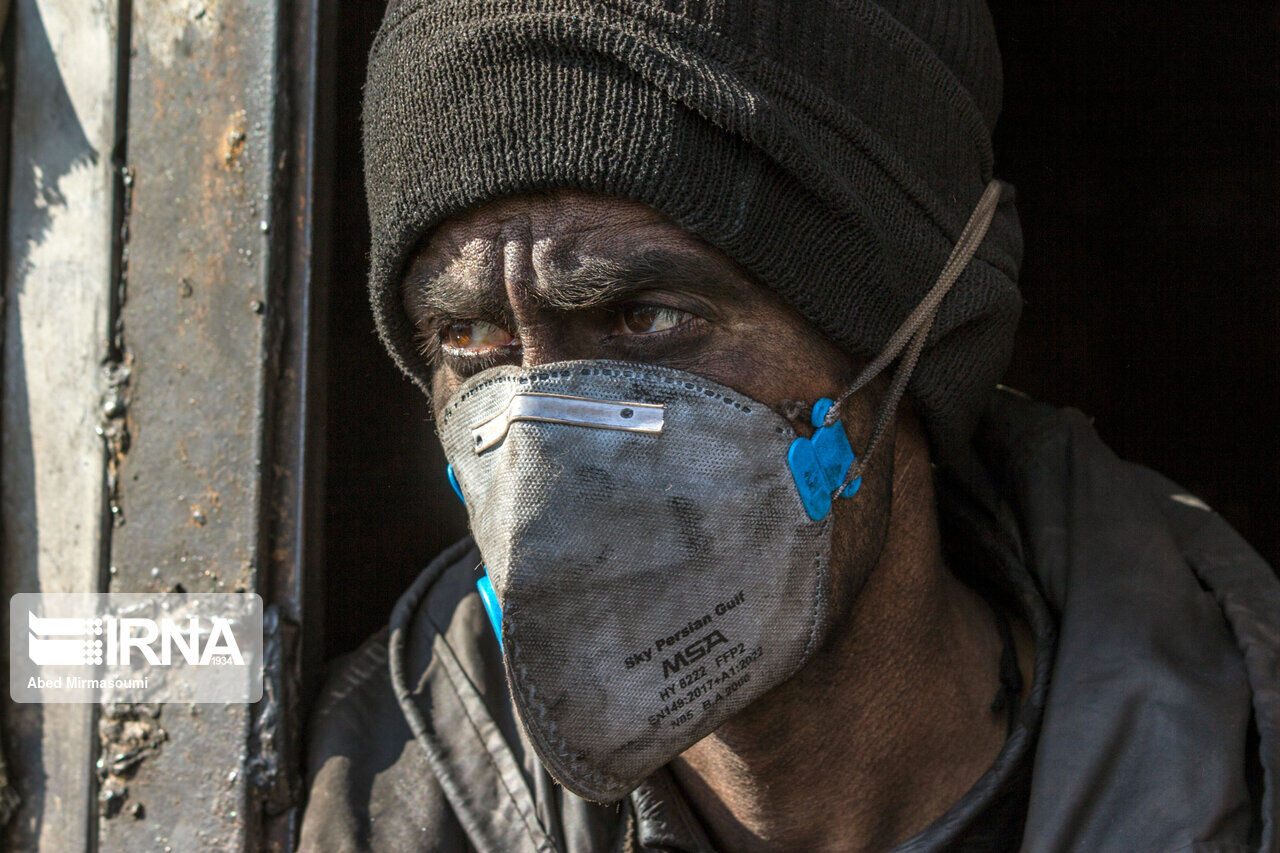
[(580, 259), (595, 281)]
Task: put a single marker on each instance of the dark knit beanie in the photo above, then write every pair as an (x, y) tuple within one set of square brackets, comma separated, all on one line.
[(833, 148)]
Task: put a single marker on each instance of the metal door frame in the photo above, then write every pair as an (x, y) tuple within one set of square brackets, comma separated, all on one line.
[(172, 267)]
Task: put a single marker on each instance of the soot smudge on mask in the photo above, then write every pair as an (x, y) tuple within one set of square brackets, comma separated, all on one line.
[(691, 525)]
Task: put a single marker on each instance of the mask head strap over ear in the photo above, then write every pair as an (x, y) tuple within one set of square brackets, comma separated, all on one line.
[(912, 334)]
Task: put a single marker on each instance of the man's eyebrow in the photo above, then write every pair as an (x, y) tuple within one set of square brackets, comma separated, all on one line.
[(599, 282), (448, 294), (594, 282)]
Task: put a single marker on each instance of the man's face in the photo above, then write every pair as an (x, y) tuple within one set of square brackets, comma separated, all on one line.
[(573, 275)]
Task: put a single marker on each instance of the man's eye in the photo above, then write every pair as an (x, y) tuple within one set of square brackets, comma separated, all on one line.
[(647, 319), (473, 336)]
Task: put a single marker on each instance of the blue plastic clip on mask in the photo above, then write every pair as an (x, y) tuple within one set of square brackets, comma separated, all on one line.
[(491, 605), (819, 464), (487, 595), (453, 483)]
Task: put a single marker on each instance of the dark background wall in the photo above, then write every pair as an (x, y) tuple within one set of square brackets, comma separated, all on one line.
[(1142, 139)]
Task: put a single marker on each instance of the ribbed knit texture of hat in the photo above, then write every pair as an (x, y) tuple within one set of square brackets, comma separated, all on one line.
[(833, 148)]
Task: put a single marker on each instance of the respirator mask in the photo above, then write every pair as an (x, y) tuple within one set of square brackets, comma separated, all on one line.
[(656, 546)]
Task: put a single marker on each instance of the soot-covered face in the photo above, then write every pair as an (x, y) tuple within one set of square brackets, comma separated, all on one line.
[(573, 275)]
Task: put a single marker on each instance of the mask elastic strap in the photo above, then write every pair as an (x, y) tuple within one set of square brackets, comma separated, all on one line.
[(912, 334)]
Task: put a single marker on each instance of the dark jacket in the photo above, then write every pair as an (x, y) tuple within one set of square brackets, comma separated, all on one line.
[(1154, 723)]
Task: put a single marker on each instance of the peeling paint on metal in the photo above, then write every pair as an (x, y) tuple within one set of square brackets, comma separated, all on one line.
[(180, 30), (127, 736), (233, 141), (273, 768), (113, 427)]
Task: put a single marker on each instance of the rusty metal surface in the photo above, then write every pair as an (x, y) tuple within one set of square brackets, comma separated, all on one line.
[(196, 336), (194, 416)]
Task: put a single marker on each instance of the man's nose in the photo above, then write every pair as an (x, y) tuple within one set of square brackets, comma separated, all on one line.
[(552, 336), (546, 334)]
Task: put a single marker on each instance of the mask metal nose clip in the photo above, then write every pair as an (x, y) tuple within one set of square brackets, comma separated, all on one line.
[(820, 464), (564, 409)]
